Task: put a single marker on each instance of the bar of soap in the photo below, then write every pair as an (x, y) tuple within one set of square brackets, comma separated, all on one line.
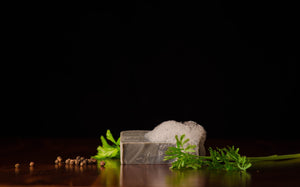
[(136, 149)]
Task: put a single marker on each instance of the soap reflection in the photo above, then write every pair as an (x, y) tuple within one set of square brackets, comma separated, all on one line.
[(115, 174), (161, 175), (144, 175)]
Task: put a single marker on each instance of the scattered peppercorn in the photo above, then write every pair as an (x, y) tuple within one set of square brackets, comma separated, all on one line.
[(102, 163), (59, 158), (82, 164), (31, 164), (71, 162), (78, 161)]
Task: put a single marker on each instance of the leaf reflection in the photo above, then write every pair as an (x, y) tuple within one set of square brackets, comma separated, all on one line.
[(207, 177), (110, 174)]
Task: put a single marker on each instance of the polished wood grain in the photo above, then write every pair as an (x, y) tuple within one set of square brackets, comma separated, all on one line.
[(43, 152)]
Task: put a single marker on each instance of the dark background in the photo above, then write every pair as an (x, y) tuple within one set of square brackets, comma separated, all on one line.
[(76, 70)]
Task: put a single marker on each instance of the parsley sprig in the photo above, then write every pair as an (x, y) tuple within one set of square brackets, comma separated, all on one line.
[(181, 155), (227, 158), (222, 159), (107, 151)]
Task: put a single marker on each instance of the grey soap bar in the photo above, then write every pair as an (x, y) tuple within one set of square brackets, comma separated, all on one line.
[(135, 149)]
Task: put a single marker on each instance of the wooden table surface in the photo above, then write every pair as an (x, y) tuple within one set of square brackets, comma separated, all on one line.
[(43, 152)]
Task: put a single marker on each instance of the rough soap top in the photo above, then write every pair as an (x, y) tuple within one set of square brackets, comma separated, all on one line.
[(166, 131), (134, 136)]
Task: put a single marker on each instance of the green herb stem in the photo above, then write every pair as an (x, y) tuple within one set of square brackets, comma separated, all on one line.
[(273, 157)]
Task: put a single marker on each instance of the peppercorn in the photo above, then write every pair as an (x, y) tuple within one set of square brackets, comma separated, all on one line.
[(82, 163), (72, 162), (31, 164), (59, 158), (76, 162), (102, 163)]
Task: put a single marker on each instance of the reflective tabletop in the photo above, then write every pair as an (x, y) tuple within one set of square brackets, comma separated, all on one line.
[(45, 172)]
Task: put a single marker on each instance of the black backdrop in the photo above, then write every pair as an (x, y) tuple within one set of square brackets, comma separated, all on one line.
[(79, 69)]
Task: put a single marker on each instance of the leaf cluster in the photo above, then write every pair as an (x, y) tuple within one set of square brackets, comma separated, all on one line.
[(107, 151), (222, 159), (181, 154), (228, 159)]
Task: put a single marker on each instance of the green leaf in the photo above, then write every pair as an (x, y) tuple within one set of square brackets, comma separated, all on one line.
[(118, 142), (189, 150), (110, 137), (169, 158), (181, 137), (185, 141), (104, 142), (177, 141), (107, 151), (191, 147), (172, 150)]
